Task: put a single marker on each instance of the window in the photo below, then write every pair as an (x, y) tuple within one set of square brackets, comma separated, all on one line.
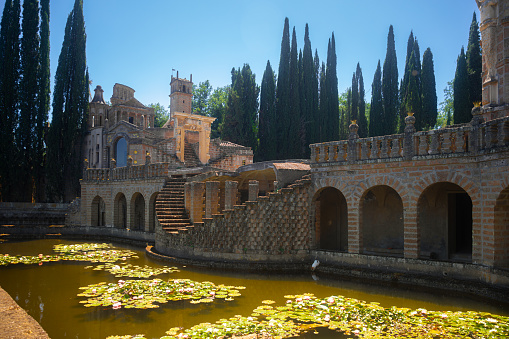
[(121, 152), (131, 120)]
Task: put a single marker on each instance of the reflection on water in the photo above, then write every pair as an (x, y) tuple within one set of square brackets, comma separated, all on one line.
[(48, 293)]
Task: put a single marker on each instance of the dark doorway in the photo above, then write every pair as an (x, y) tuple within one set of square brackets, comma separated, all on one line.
[(460, 226), (333, 220)]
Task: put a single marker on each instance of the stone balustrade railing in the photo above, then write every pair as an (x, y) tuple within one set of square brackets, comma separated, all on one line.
[(155, 170), (471, 138)]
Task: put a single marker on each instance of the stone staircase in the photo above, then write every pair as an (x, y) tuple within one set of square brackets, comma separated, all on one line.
[(170, 209), (190, 157)]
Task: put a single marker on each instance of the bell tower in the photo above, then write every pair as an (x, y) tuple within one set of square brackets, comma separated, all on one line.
[(181, 94)]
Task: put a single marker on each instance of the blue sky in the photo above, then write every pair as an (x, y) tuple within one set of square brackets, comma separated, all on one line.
[(138, 43)]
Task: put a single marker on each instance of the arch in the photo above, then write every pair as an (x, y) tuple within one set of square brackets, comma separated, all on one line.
[(98, 212), (331, 219), (120, 211), (381, 221), (152, 212), (444, 219), (137, 212), (121, 152), (501, 229)]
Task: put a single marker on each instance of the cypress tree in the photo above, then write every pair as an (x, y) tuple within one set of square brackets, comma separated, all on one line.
[(462, 104), (315, 134), (70, 111), (390, 86), (9, 95), (43, 101), (294, 122), (354, 112), (309, 97), (332, 92), (376, 115), (474, 63), (283, 93), (28, 98), (267, 116), (361, 106), (429, 92), (413, 95), (322, 121)]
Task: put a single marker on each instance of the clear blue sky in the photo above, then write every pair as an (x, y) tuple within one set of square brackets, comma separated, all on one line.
[(138, 43)]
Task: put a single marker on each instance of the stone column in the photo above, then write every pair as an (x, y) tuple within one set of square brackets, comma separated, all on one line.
[(408, 142), (254, 189), (197, 191), (230, 198), (352, 141), (211, 198)]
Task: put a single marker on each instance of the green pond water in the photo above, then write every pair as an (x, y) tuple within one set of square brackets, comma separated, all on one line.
[(49, 294)]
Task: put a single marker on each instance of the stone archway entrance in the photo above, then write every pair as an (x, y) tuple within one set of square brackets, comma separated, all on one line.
[(120, 211), (184, 122), (98, 212), (331, 220), (444, 213), (138, 212)]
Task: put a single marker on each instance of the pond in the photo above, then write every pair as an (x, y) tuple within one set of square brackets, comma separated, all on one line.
[(49, 293)]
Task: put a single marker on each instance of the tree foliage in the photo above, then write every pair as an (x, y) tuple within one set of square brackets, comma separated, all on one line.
[(294, 141), (429, 92), (362, 120), (240, 121), (9, 95), (474, 63), (217, 105), (161, 114), (462, 104), (376, 115), (390, 86), (70, 111), (267, 117), (331, 112), (201, 94)]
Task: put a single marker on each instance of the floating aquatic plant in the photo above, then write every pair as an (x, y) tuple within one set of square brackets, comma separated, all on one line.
[(353, 317), (149, 293), (78, 252), (133, 271)]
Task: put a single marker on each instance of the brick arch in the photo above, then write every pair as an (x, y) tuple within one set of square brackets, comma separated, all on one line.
[(371, 239), (98, 211), (137, 211), (501, 229), (120, 210)]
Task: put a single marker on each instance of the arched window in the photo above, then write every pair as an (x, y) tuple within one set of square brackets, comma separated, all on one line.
[(121, 152)]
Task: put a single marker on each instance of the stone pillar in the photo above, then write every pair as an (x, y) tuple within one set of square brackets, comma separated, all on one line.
[(195, 201), (408, 142), (254, 189), (85, 167), (211, 198), (230, 196), (148, 159), (352, 141)]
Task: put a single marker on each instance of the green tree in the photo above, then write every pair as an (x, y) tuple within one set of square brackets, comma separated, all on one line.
[(322, 118), (462, 104), (332, 114), (376, 115), (9, 94), (446, 111), (240, 121), (361, 106), (429, 91), (201, 94), (283, 94), (28, 98), (43, 103), (161, 114), (217, 108), (345, 107), (267, 117), (474, 63), (294, 140), (390, 86), (354, 112), (309, 97), (413, 99), (70, 111)]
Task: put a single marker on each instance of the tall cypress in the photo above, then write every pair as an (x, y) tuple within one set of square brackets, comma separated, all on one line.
[(354, 112), (332, 92), (267, 117), (283, 93), (429, 92), (390, 86), (70, 111), (361, 106), (376, 115), (462, 104), (413, 94), (43, 103), (474, 63), (309, 98), (294, 122), (28, 98), (322, 121), (9, 95)]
